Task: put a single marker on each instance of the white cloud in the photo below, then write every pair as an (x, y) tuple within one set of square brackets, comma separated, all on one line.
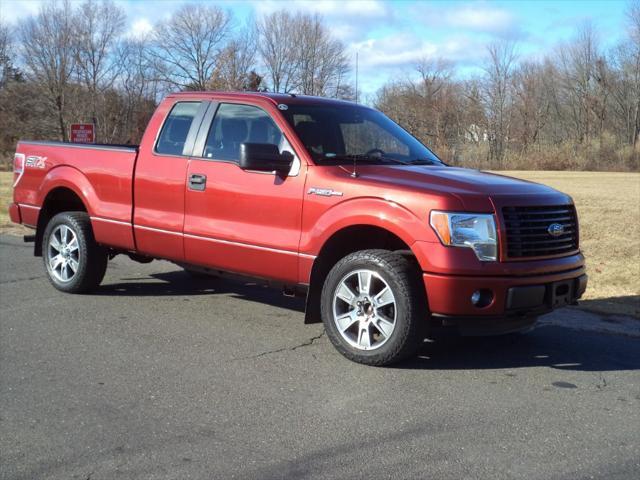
[(12, 11), (475, 17), (140, 28), (328, 8), (481, 19)]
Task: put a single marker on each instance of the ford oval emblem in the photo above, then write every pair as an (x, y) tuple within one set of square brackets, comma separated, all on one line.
[(555, 229)]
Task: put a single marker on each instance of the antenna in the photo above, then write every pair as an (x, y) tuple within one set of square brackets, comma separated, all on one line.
[(356, 77)]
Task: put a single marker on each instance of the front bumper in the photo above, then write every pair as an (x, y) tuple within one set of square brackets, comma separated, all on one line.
[(513, 299)]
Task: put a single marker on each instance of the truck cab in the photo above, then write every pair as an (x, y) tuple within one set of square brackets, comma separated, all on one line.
[(325, 198)]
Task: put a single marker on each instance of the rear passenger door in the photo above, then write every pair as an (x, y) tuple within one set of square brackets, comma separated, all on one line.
[(160, 177), (242, 221)]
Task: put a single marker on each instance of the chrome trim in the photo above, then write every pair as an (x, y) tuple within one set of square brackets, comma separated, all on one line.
[(210, 239), (247, 245), (24, 205), (92, 146), (159, 230), (108, 220)]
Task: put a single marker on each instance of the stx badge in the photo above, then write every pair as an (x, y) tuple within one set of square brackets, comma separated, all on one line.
[(35, 161)]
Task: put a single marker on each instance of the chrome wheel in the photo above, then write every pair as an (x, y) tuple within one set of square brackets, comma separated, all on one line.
[(63, 254), (364, 309)]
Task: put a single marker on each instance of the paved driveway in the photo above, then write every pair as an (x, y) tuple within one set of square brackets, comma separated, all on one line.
[(158, 376)]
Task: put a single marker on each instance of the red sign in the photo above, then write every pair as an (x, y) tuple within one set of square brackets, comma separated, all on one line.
[(82, 133)]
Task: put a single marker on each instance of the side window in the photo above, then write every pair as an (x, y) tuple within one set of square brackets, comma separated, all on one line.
[(234, 125), (176, 128)]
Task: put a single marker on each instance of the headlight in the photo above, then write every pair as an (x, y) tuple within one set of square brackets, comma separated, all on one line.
[(472, 230)]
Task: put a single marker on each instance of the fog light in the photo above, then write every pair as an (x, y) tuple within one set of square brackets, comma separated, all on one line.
[(482, 298)]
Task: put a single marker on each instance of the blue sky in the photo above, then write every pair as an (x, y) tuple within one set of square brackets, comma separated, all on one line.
[(392, 36)]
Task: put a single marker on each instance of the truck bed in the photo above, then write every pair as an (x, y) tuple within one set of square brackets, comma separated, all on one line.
[(101, 175)]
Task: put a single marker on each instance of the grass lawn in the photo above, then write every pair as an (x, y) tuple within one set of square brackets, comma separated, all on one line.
[(609, 212), (6, 181)]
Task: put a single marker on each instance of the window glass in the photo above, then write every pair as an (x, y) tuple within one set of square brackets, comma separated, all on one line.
[(344, 133), (363, 137), (234, 125), (176, 128)]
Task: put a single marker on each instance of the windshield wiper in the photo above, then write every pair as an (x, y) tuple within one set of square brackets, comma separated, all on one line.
[(358, 157), (424, 161)]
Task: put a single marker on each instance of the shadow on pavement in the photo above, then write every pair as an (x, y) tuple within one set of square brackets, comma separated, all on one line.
[(621, 305), (181, 283), (546, 346)]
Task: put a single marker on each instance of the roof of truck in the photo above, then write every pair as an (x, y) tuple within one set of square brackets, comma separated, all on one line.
[(276, 98)]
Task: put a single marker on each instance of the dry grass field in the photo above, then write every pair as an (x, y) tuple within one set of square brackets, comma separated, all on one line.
[(609, 211)]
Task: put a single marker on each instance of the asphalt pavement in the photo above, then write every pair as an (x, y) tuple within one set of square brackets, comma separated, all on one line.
[(158, 376)]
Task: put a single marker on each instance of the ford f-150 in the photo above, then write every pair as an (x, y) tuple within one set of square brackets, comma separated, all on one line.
[(324, 198)]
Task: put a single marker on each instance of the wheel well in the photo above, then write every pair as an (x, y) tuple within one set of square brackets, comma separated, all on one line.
[(58, 200), (339, 245)]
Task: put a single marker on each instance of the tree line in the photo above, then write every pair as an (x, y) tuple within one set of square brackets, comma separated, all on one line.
[(578, 108), (73, 62)]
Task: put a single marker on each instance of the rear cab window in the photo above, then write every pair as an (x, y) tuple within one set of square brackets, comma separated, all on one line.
[(173, 136)]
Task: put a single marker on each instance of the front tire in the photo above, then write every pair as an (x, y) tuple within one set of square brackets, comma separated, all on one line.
[(374, 308), (74, 262)]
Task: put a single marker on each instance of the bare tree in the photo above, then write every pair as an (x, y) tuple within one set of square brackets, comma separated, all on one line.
[(322, 64), (186, 47), (6, 61), (47, 41), (236, 62), (278, 50), (300, 55), (578, 78), (498, 96), (98, 27), (532, 102), (626, 84)]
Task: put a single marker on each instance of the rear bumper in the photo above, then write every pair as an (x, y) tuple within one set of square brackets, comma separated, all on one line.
[(513, 299), (14, 213)]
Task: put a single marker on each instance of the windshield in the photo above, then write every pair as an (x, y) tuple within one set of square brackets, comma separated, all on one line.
[(340, 134)]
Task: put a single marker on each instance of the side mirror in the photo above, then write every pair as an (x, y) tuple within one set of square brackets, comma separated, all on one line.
[(264, 157)]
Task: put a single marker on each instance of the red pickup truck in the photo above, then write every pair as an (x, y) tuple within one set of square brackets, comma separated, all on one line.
[(325, 198)]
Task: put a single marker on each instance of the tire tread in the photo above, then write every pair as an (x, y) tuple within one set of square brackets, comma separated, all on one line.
[(412, 331)]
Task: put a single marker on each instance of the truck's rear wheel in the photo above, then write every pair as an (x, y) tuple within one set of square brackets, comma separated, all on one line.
[(75, 263), (373, 307)]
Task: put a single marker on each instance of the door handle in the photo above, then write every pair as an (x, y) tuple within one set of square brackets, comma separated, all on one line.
[(197, 182)]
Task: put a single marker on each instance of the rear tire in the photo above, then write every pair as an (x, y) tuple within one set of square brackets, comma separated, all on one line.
[(74, 262), (374, 307)]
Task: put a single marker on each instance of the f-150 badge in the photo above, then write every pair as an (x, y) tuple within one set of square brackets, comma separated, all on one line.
[(324, 192)]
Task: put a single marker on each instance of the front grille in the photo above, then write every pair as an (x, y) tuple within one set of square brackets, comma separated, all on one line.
[(527, 231)]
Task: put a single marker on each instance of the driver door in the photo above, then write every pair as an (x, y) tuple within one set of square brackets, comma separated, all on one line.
[(236, 220)]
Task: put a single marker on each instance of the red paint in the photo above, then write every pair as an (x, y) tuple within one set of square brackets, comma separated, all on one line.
[(269, 226)]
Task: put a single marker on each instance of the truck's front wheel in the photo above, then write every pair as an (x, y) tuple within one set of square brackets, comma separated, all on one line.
[(75, 263), (373, 307)]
